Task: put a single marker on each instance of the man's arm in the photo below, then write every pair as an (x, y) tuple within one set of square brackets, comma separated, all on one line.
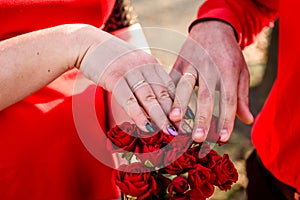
[(212, 55), (246, 17)]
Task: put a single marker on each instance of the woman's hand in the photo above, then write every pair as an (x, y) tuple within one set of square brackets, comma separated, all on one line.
[(138, 83), (212, 60), (31, 61)]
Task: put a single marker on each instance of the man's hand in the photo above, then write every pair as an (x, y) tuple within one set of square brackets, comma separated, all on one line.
[(212, 60)]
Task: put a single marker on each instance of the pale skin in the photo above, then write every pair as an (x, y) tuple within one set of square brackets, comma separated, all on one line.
[(216, 61), (31, 61)]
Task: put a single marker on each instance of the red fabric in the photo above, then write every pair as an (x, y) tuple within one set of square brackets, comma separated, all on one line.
[(42, 155), (23, 16), (276, 131)]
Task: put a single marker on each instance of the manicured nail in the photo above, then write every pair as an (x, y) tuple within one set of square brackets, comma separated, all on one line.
[(189, 114), (176, 111), (224, 135), (149, 127), (172, 130), (199, 134)]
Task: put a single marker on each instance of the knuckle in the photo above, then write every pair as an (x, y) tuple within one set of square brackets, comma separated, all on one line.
[(205, 96), (163, 94), (201, 119), (227, 121), (229, 99), (138, 115), (131, 100), (171, 86), (150, 97)]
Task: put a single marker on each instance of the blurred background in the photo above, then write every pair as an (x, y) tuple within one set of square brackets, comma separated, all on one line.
[(176, 16)]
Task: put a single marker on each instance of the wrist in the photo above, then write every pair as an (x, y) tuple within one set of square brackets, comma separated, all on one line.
[(215, 26)]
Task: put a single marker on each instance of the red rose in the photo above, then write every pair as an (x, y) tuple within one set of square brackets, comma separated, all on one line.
[(177, 147), (225, 172), (157, 138), (136, 181), (181, 142), (167, 139), (152, 153), (200, 151), (196, 194), (179, 185), (181, 165), (200, 181), (211, 159), (122, 137)]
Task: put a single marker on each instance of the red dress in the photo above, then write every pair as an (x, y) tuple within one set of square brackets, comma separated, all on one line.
[(276, 131), (42, 156)]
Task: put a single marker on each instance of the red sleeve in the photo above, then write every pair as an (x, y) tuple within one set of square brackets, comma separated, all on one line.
[(247, 17)]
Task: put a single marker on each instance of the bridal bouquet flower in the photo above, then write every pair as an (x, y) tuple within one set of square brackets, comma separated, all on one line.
[(162, 166)]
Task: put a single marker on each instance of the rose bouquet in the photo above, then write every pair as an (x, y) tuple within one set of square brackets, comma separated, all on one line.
[(162, 166)]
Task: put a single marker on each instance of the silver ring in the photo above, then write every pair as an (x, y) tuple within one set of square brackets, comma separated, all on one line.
[(138, 84), (190, 74)]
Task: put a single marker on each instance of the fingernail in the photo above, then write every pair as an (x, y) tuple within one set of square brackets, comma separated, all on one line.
[(189, 114), (149, 127), (199, 134), (224, 135), (176, 111), (172, 130)]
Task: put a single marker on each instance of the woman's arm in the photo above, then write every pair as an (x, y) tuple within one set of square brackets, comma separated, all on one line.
[(29, 62)]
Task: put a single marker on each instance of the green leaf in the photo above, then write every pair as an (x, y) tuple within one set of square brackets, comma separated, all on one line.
[(128, 156), (148, 163), (169, 176), (185, 175)]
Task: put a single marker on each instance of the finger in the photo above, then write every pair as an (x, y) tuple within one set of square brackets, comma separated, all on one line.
[(159, 87), (124, 96), (243, 111), (168, 82), (184, 91), (205, 103), (176, 70), (228, 106), (147, 99)]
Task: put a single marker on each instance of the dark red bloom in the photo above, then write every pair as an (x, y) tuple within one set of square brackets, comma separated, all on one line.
[(179, 185), (211, 159), (196, 194), (200, 151), (225, 172), (158, 138), (181, 142), (181, 165), (152, 153), (200, 181), (203, 166), (136, 181), (122, 137)]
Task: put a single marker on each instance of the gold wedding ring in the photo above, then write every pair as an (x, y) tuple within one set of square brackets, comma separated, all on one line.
[(138, 84)]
